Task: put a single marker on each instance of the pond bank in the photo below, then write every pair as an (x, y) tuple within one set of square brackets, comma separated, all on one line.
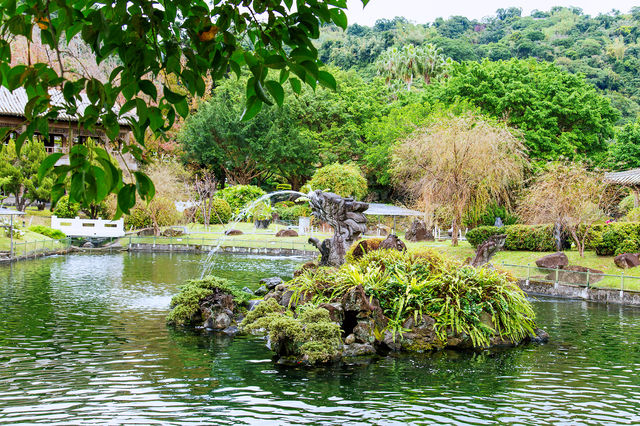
[(591, 294), (206, 248)]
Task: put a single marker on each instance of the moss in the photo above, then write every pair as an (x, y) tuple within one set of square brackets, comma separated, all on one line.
[(186, 304), (311, 336)]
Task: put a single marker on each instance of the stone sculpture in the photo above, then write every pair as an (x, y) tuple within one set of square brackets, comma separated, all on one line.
[(345, 216), (486, 250)]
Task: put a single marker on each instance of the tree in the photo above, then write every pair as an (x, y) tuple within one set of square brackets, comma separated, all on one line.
[(625, 152), (459, 161), (558, 113), (243, 151), (19, 173), (570, 196), (180, 38), (346, 180), (410, 62)]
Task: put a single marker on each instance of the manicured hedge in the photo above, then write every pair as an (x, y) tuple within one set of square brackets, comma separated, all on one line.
[(48, 232), (519, 237), (615, 238)]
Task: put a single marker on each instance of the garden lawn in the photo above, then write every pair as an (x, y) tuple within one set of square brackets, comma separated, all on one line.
[(29, 237)]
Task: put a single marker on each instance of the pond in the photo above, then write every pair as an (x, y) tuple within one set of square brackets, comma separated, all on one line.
[(83, 339)]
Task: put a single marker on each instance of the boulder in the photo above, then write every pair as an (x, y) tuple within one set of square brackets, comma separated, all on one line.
[(248, 290), (363, 332), (556, 260), (88, 244), (627, 260), (253, 304), (221, 321), (305, 267), (286, 233), (358, 349), (350, 339), (540, 336), (272, 282), (232, 232), (146, 232), (336, 313), (172, 232), (392, 242), (418, 232), (261, 291)]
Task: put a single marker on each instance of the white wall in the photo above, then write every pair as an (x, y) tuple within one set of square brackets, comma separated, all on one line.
[(88, 227)]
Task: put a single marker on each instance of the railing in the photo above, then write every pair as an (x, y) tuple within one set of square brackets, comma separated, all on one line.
[(586, 279), (210, 243), (28, 249), (89, 227)]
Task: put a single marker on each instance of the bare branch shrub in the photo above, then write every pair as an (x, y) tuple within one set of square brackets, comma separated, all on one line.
[(462, 162)]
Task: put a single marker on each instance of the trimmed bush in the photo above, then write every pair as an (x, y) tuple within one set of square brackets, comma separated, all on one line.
[(346, 180), (65, 209), (479, 235), (141, 216), (617, 238), (519, 237), (239, 196), (56, 234), (292, 212), (220, 212)]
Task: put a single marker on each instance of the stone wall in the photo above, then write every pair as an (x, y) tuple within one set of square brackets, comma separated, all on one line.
[(196, 248), (604, 295)]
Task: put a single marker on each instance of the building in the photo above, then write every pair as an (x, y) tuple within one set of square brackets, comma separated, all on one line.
[(630, 178), (65, 130)]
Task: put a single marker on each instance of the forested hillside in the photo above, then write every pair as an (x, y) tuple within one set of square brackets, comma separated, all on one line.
[(603, 48)]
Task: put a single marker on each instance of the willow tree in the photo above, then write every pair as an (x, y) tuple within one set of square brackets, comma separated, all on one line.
[(462, 162), (569, 196)]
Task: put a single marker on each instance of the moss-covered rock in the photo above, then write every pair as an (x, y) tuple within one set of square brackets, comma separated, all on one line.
[(210, 302)]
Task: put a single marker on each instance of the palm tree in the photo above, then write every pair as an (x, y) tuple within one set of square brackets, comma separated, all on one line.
[(410, 62)]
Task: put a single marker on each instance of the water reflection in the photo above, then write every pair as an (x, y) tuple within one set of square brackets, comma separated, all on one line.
[(82, 338)]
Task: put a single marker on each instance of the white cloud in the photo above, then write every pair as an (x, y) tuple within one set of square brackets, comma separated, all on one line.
[(423, 11)]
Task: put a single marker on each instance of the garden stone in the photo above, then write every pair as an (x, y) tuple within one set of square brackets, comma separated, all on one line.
[(286, 233), (231, 330), (172, 232), (272, 282), (363, 332), (540, 336), (392, 242), (146, 232), (350, 339), (627, 260), (358, 349), (305, 267), (336, 313), (418, 232), (88, 244), (253, 304), (232, 232), (221, 322), (248, 290), (553, 261), (392, 342), (261, 291)]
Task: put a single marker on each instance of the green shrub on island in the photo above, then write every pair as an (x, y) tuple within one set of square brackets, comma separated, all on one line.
[(346, 180), (240, 196), (66, 209), (309, 335), (185, 306), (56, 234), (292, 212), (220, 212), (161, 211), (519, 237), (479, 303)]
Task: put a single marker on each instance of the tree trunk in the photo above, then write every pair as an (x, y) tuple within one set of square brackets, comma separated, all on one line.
[(579, 244), (454, 232)]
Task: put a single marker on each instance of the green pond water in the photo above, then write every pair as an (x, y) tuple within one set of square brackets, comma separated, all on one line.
[(83, 340)]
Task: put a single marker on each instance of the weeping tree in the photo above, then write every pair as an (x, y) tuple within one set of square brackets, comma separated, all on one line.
[(569, 196), (461, 162)]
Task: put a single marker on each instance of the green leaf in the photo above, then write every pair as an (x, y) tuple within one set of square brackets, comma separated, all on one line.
[(127, 197), (148, 88), (48, 163), (144, 185), (253, 107), (327, 80), (339, 18), (259, 90), (183, 108), (296, 85), (172, 96), (276, 90)]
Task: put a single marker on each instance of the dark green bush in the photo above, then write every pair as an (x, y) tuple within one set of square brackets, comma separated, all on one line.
[(479, 235), (617, 238), (530, 238), (56, 234), (519, 237), (220, 212), (292, 212), (66, 209)]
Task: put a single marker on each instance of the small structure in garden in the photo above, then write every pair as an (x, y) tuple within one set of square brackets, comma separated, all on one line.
[(418, 231), (630, 178), (488, 249), (345, 216)]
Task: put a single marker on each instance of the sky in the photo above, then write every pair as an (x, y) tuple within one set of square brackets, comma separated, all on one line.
[(423, 11)]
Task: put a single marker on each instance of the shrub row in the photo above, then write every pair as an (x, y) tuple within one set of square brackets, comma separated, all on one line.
[(612, 239), (519, 237), (56, 234)]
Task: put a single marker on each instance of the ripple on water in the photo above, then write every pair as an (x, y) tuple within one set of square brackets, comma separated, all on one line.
[(83, 339)]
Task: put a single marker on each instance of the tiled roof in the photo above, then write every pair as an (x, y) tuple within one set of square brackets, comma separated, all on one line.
[(13, 103), (628, 177), (389, 210)]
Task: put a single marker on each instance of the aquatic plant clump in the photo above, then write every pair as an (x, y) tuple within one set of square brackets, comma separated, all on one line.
[(186, 305), (479, 304), (309, 335)]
